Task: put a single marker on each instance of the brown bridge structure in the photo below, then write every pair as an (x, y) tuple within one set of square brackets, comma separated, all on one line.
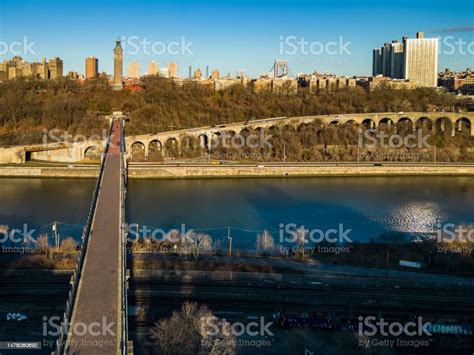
[(96, 311)]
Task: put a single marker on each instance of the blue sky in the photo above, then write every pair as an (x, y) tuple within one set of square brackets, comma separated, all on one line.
[(227, 35)]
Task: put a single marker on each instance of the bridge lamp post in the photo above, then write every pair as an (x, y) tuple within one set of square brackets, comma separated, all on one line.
[(230, 241)]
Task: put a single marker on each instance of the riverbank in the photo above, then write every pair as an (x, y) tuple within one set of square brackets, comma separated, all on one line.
[(244, 171), (253, 171), (25, 171)]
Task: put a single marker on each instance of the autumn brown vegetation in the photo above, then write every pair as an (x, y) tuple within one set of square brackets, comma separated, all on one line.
[(28, 107)]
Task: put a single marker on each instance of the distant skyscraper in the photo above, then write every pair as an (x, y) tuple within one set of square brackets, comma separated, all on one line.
[(197, 74), (134, 70), (153, 68), (386, 59), (377, 62), (389, 60), (421, 60), (172, 70), (207, 71), (43, 70), (397, 60), (92, 68), (118, 65), (55, 68), (215, 74)]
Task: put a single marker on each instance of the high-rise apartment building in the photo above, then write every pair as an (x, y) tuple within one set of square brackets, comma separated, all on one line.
[(172, 70), (43, 70), (92, 68), (153, 68), (215, 74), (134, 70), (18, 68), (386, 59), (397, 64), (197, 74), (412, 59), (118, 65), (377, 62), (421, 60), (55, 68)]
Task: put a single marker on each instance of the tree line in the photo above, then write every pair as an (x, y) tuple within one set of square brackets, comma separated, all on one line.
[(27, 107)]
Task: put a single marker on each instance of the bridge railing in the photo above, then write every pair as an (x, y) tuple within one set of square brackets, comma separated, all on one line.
[(61, 344), (125, 347)]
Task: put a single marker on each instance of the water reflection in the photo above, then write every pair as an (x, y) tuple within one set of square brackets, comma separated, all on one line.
[(368, 206)]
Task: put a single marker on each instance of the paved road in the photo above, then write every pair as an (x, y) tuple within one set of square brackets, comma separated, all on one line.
[(236, 164), (98, 299)]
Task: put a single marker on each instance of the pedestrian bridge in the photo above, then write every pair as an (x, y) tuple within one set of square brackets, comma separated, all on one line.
[(98, 298)]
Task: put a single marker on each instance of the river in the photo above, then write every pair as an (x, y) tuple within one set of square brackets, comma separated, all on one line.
[(368, 207)]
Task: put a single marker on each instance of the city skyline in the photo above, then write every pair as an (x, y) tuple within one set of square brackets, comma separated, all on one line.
[(236, 177), (247, 38)]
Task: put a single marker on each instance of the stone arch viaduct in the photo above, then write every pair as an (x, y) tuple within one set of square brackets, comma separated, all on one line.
[(450, 122), (443, 121)]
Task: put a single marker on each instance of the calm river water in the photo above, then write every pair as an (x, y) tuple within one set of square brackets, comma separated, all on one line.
[(367, 206)]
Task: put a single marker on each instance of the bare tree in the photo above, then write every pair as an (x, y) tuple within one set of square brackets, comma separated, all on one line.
[(265, 241), (201, 242), (68, 244), (301, 239), (188, 332), (43, 243)]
